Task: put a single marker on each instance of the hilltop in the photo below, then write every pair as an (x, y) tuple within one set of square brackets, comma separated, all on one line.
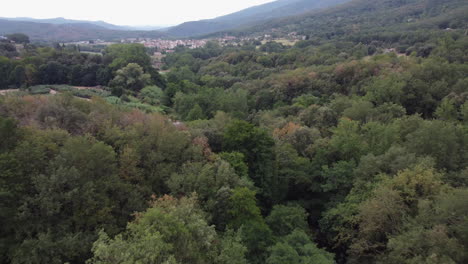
[(70, 31), (249, 16), (366, 17)]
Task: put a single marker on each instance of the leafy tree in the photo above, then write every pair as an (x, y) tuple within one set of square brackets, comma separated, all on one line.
[(338, 178), (31, 75), (76, 74), (8, 50), (272, 46), (9, 134), (361, 110), (388, 111), (18, 76), (447, 111), (103, 76), (379, 217), (437, 234), (386, 90), (5, 69), (297, 247), (53, 73), (243, 208), (321, 117), (205, 179), (444, 141), (160, 147), (120, 55), (347, 141), (52, 248), (282, 253), (257, 237), (18, 38), (236, 160), (232, 249), (383, 214), (196, 113), (151, 95), (257, 146), (171, 231), (131, 77), (181, 74), (380, 137), (245, 215), (62, 112), (283, 220), (292, 171), (77, 196), (464, 112)]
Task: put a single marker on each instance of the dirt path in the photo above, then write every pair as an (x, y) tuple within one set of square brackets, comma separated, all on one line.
[(3, 92), (97, 88)]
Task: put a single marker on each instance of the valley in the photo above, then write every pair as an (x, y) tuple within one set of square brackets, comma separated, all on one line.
[(291, 132)]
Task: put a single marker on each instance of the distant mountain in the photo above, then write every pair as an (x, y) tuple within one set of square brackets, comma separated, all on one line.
[(147, 27), (314, 18), (252, 15), (70, 31), (366, 17), (61, 20)]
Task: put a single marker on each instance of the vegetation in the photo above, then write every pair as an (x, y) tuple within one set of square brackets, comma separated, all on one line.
[(249, 16), (334, 150)]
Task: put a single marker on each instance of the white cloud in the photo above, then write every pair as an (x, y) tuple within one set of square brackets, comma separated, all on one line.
[(131, 12)]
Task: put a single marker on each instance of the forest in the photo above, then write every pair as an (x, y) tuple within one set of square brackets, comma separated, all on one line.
[(334, 150)]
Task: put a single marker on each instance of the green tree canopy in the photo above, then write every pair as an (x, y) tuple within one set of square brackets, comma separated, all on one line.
[(171, 231), (131, 77)]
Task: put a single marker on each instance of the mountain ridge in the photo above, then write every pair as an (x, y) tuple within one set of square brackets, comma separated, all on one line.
[(70, 32), (61, 21), (101, 23), (363, 15), (255, 14)]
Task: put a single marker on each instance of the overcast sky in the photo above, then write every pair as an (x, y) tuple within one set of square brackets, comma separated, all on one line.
[(130, 12)]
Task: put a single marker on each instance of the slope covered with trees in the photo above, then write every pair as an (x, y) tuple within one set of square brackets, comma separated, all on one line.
[(374, 20), (334, 150), (252, 15)]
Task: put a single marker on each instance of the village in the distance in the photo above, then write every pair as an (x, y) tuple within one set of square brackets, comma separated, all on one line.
[(160, 47)]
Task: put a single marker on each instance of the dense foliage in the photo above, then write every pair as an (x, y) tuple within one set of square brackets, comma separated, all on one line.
[(66, 65), (329, 151), (249, 16)]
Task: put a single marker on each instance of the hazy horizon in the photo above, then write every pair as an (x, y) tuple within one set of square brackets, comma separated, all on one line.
[(139, 13)]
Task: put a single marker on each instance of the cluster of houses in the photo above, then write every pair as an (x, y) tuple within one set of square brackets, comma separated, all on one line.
[(296, 36), (168, 46)]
